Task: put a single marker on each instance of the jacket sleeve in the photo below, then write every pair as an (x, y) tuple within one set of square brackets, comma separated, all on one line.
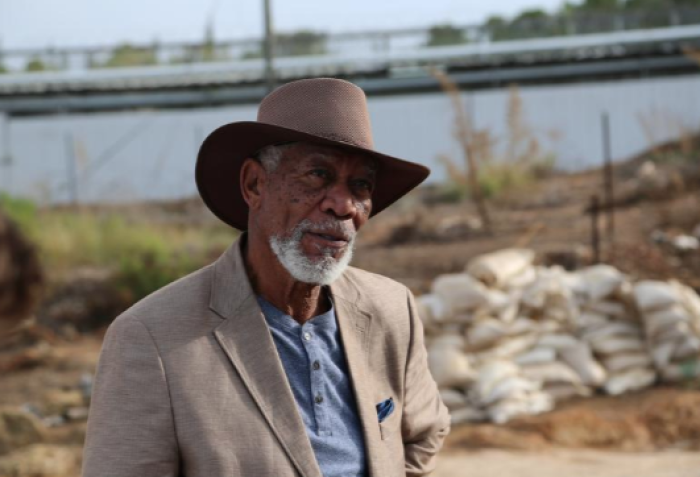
[(130, 430), (426, 420)]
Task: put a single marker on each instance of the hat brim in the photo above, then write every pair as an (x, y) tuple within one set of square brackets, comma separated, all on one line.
[(224, 151)]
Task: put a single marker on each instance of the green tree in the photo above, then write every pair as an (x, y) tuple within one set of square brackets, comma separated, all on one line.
[(128, 55), (441, 35), (498, 28), (35, 64), (300, 43), (535, 23)]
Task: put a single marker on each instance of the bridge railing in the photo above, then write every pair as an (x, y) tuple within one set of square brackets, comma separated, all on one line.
[(379, 42)]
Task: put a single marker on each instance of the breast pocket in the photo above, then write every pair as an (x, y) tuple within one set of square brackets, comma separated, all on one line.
[(391, 426)]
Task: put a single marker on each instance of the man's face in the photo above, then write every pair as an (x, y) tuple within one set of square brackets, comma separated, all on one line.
[(314, 203)]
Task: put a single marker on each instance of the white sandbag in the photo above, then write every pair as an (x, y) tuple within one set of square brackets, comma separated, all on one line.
[(612, 309), (460, 292), (589, 319), (537, 356), (468, 414), (616, 344), (485, 333), (675, 372), (690, 300), (509, 388), (564, 391), (630, 380), (662, 353), (509, 313), (576, 284), (491, 373), (601, 281), (652, 295), (675, 332), (497, 268), (447, 362), (580, 359), (623, 361), (625, 294), (453, 399), (522, 325), (655, 322), (497, 300), (688, 348), (557, 341), (522, 279), (612, 328), (432, 309), (556, 372), (506, 410), (508, 347), (545, 327)]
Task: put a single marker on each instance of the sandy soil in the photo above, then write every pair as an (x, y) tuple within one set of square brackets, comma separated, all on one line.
[(568, 463)]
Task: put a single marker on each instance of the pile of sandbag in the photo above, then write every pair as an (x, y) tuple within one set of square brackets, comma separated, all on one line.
[(499, 338), (609, 323), (507, 338), (671, 313)]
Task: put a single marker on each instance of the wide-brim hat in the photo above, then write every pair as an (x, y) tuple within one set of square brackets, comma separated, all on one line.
[(323, 111)]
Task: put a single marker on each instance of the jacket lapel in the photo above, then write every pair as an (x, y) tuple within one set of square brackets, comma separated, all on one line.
[(355, 333), (246, 340)]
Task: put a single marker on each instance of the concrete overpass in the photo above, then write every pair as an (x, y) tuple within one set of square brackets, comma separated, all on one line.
[(592, 57)]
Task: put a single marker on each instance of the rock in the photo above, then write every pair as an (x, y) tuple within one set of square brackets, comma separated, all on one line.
[(41, 460), (18, 429), (58, 401), (686, 243)]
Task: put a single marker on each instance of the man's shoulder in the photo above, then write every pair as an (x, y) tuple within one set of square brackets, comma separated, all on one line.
[(180, 299)]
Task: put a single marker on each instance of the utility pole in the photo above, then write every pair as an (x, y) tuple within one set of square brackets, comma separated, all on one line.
[(269, 48), (609, 188)]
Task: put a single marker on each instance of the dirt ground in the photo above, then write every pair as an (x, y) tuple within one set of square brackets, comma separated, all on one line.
[(568, 463)]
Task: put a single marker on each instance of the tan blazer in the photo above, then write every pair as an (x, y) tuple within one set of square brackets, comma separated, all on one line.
[(189, 383)]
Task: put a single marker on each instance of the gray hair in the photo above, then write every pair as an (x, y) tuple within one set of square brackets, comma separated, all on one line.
[(270, 156)]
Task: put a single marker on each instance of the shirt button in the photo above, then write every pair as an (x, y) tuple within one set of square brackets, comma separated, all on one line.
[(319, 399), (307, 336), (316, 365)]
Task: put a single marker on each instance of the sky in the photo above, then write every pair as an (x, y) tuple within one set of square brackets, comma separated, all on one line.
[(62, 23)]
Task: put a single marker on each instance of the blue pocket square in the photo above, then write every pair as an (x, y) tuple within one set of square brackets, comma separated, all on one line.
[(385, 408)]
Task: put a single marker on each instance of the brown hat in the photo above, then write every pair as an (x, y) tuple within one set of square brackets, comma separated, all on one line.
[(323, 111)]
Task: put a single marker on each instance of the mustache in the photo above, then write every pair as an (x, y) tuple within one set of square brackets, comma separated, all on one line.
[(329, 227)]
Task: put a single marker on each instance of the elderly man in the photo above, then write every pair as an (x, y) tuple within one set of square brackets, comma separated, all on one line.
[(278, 359)]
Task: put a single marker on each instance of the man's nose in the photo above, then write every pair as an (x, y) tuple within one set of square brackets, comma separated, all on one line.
[(340, 202)]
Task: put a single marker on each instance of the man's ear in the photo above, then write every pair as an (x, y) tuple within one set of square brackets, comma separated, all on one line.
[(253, 178)]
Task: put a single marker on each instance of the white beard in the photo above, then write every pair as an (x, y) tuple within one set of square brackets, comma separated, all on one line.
[(322, 271)]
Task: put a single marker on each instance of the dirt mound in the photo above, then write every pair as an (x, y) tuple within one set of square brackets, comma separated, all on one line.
[(42, 460), (657, 418), (675, 420), (18, 429), (21, 277), (583, 428)]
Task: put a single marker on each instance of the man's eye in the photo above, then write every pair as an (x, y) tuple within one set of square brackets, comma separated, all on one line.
[(363, 185), (322, 173)]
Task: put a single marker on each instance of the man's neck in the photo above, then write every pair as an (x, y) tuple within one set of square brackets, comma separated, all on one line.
[(269, 279)]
